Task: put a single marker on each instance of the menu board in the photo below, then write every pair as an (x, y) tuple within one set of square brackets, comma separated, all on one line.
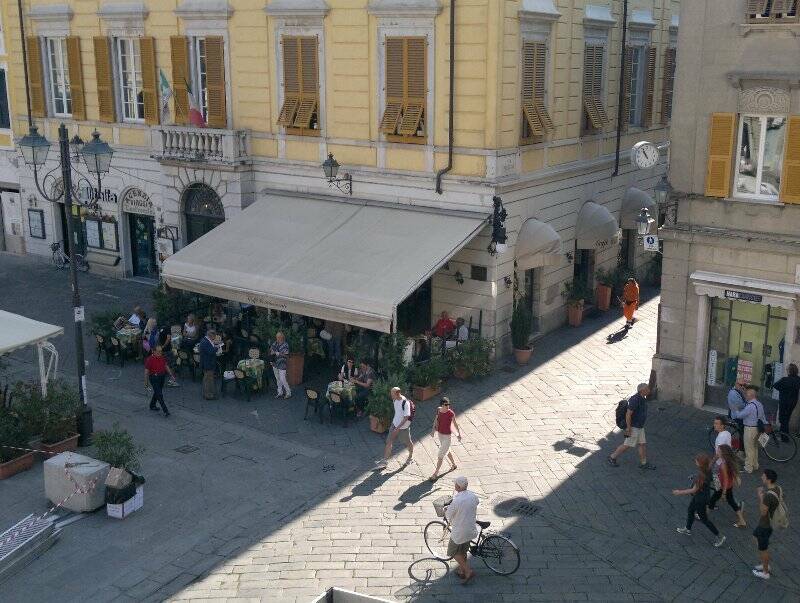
[(110, 241), (744, 371), (92, 228)]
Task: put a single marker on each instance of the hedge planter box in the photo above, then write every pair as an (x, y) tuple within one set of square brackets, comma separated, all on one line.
[(575, 314), (602, 297), (523, 356), (68, 445), (462, 374), (378, 425), (422, 393), (17, 465)]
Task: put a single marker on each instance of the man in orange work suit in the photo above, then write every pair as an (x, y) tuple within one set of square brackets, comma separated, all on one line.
[(630, 301)]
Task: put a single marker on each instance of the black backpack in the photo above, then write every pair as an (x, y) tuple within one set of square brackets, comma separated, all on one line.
[(622, 410)]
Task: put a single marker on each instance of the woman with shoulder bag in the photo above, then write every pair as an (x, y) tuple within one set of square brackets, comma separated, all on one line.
[(728, 475), (700, 492)]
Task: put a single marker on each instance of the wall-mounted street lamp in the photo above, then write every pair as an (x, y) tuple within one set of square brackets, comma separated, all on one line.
[(331, 168), (97, 156), (643, 222), (498, 221), (459, 277)]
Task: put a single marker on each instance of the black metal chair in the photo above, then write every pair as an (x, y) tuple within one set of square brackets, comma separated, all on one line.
[(313, 399), (115, 350), (101, 346), (244, 384)]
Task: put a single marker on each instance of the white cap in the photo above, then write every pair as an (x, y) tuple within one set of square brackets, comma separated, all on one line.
[(461, 481)]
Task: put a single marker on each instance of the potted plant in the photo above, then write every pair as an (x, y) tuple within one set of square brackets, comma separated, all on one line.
[(574, 293), (14, 456), (59, 424), (605, 285), (392, 350), (296, 360), (426, 378), (521, 323), (472, 358), (379, 404), (117, 448)]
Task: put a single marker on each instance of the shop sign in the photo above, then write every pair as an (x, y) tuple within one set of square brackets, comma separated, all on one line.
[(743, 296), (136, 201), (92, 193), (711, 377)]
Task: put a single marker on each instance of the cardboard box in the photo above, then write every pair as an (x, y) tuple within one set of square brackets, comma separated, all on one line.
[(133, 504)]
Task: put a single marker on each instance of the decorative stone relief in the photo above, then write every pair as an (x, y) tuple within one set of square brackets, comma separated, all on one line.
[(764, 99)]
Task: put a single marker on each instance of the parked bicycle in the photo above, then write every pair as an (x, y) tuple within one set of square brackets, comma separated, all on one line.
[(779, 447), (498, 552), (61, 259)]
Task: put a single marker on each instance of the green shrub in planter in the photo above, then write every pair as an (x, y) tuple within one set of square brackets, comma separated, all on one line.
[(13, 437), (576, 292), (429, 373), (117, 448), (28, 406), (521, 324), (62, 405), (392, 348), (473, 357), (102, 323), (266, 326), (379, 403)]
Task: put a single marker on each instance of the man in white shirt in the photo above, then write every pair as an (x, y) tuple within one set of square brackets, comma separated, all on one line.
[(462, 331), (401, 428), (723, 435), (136, 318), (462, 514)]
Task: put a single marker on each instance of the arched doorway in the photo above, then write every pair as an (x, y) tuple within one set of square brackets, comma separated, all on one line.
[(203, 210)]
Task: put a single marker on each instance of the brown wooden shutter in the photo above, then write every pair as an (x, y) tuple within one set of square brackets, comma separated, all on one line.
[(593, 85), (179, 53), (406, 86), (309, 82), (35, 76), (649, 86), (626, 87), (534, 74), (394, 85), (668, 84), (215, 82), (105, 79), (720, 154), (291, 80), (756, 7), (790, 179), (147, 49), (76, 77)]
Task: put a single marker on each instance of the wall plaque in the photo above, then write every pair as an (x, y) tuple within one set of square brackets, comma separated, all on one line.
[(136, 201)]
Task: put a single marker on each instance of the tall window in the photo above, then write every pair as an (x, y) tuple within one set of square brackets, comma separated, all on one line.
[(594, 114), (200, 84), (536, 120), (198, 71), (58, 74), (771, 10), (639, 81), (406, 89), (759, 158), (130, 79), (299, 113), (5, 117)]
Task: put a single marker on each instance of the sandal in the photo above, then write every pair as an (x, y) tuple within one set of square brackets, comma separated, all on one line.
[(739, 525)]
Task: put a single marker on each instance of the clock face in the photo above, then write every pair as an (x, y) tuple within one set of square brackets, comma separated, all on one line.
[(644, 155)]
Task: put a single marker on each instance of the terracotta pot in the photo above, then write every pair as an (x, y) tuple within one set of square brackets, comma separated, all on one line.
[(67, 445), (294, 368), (378, 425), (422, 393), (462, 374), (17, 465), (602, 296), (523, 356), (575, 314)]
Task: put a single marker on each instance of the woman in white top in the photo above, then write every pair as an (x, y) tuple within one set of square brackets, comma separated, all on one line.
[(190, 329)]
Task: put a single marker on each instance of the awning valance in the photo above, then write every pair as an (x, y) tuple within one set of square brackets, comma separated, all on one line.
[(633, 201), (596, 227), (350, 262), (19, 331), (538, 244)]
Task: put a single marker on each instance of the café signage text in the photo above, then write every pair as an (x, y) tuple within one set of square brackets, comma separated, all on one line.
[(743, 296)]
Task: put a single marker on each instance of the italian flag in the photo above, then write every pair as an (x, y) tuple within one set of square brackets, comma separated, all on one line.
[(195, 114)]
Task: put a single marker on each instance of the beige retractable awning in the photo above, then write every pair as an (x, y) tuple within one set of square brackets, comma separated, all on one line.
[(19, 331), (350, 262), (633, 201), (596, 227), (538, 244)]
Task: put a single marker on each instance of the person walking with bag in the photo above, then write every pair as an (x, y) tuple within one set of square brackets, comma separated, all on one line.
[(700, 493), (630, 301), (279, 351), (155, 371), (443, 422), (404, 410), (727, 477), (788, 390), (772, 511), (754, 418)]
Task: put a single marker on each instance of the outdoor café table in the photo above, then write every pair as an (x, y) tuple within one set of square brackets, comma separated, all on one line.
[(346, 390), (253, 368), (130, 338)]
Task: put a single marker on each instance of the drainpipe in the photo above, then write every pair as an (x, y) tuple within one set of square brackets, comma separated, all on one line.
[(621, 100), (449, 167), (25, 62)]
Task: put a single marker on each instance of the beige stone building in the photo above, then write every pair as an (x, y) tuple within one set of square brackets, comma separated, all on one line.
[(281, 84), (732, 257)]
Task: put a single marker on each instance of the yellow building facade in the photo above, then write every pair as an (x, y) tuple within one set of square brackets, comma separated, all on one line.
[(281, 84)]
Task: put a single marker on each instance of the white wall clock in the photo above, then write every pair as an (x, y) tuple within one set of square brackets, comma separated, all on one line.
[(644, 155)]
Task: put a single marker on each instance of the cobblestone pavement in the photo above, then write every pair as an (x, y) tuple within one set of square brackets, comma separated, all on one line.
[(273, 508)]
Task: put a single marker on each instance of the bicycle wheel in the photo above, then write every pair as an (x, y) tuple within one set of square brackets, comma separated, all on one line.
[(58, 262), (499, 554), (437, 535), (779, 450)]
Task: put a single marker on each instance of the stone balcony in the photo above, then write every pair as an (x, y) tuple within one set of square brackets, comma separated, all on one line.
[(199, 145)]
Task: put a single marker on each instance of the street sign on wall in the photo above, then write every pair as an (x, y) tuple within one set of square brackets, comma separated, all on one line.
[(651, 243)]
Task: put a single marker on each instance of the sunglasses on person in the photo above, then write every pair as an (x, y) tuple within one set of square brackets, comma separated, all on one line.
[(445, 403)]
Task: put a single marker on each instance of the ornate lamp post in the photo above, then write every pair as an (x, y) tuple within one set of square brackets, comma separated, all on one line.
[(331, 169), (97, 156), (498, 220)]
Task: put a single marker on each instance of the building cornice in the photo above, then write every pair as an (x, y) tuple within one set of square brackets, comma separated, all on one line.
[(204, 10), (125, 18), (538, 10), (641, 19), (297, 8), (787, 78), (404, 8), (50, 13), (598, 16)]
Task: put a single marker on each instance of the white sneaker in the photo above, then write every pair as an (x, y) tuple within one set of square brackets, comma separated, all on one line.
[(720, 541), (759, 568), (381, 464), (683, 531), (761, 574)]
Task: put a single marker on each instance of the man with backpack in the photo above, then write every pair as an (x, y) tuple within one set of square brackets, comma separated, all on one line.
[(404, 411), (631, 417), (772, 514)]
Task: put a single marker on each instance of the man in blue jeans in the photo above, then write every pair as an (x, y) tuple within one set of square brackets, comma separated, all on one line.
[(635, 418)]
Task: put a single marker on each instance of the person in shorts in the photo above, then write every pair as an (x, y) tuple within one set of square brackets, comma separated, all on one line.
[(400, 429), (769, 496), (462, 513), (443, 422), (635, 418)]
